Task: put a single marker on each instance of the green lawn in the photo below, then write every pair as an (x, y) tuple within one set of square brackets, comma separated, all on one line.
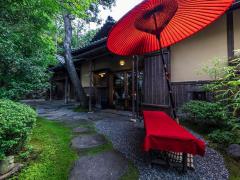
[(52, 156), (50, 141)]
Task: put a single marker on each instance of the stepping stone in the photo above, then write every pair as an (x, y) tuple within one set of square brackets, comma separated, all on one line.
[(105, 166), (80, 130), (88, 141)]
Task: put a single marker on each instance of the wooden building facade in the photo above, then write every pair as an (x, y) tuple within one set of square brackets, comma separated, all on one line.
[(111, 81)]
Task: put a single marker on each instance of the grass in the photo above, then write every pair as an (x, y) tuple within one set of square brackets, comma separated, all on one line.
[(131, 174), (50, 141), (80, 109), (52, 156), (233, 167), (231, 164)]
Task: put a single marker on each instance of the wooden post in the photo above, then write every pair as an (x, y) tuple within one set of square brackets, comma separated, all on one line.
[(230, 35), (126, 90), (137, 90), (66, 90), (50, 91), (111, 90), (90, 86), (133, 88)]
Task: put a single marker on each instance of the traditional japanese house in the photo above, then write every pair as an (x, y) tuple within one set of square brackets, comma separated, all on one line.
[(111, 81)]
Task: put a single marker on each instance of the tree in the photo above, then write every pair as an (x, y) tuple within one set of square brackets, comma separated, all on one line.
[(82, 39), (26, 46), (87, 11), (28, 42)]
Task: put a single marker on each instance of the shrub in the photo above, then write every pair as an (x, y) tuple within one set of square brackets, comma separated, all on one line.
[(205, 113), (226, 86), (225, 137), (16, 123)]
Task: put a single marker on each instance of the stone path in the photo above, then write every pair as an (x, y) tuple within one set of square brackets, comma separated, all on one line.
[(87, 141), (110, 165), (105, 166), (80, 130), (127, 138)]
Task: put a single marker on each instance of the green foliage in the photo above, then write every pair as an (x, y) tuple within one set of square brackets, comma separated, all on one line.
[(50, 141), (205, 113), (26, 46), (226, 86), (80, 109), (82, 40), (131, 174), (81, 16), (224, 137), (16, 123)]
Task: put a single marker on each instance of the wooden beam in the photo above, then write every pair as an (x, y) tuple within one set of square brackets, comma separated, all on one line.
[(133, 89), (230, 35), (235, 6)]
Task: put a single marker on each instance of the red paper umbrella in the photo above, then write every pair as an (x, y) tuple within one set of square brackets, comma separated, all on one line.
[(157, 24), (135, 33)]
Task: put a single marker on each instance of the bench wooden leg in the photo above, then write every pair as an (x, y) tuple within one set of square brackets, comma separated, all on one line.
[(184, 162), (148, 159)]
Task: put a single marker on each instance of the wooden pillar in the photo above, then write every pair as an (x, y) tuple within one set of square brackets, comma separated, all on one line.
[(111, 90), (137, 87), (126, 90), (133, 89), (50, 91), (230, 35), (90, 86), (66, 90)]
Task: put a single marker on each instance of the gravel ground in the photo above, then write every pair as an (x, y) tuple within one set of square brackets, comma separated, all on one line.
[(127, 138)]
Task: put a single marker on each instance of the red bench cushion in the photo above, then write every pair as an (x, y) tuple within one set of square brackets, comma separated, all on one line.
[(165, 134)]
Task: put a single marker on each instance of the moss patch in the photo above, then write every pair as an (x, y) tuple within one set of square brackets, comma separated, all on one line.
[(51, 142), (80, 109), (132, 173), (233, 167)]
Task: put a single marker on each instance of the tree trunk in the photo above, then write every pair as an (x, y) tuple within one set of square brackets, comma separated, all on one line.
[(81, 96)]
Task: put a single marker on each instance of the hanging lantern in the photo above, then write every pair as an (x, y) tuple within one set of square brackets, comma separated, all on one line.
[(122, 62), (102, 74)]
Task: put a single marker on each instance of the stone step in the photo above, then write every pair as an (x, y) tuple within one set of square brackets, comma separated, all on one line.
[(87, 141), (105, 166)]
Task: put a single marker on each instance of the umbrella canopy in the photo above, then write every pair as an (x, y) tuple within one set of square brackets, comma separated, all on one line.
[(171, 21)]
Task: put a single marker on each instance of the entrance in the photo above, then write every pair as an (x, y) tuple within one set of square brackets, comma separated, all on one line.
[(123, 89), (118, 89)]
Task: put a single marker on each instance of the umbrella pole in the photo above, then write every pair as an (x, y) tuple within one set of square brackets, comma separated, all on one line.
[(167, 76)]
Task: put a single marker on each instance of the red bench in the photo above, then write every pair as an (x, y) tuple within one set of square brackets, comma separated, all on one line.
[(165, 134)]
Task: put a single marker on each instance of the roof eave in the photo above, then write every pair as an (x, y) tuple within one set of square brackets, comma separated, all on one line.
[(235, 5)]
